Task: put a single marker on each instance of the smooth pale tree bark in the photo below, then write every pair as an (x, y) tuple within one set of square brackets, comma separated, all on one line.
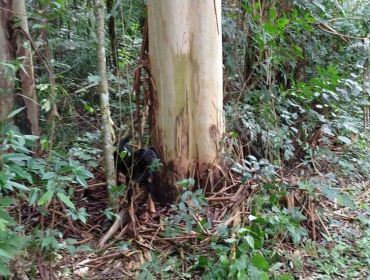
[(185, 50), (6, 73), (107, 129), (27, 72)]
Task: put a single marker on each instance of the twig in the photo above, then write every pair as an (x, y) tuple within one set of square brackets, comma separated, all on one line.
[(331, 30), (122, 218), (143, 245), (323, 224), (154, 236), (346, 217), (191, 236), (222, 198), (223, 190), (97, 185), (105, 257), (85, 88), (84, 240), (205, 231), (312, 212)]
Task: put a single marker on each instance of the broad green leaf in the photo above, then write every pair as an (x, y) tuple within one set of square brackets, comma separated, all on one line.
[(18, 186), (345, 140), (66, 200), (38, 26), (33, 195), (32, 138), (48, 175), (250, 241), (345, 200), (224, 260), (4, 271), (6, 201), (230, 240), (5, 254), (81, 181), (282, 22), (45, 105), (145, 275), (260, 262), (285, 277), (15, 157), (7, 218), (93, 79), (9, 65), (252, 218), (21, 172), (82, 215), (46, 197), (203, 261), (15, 112), (86, 173)]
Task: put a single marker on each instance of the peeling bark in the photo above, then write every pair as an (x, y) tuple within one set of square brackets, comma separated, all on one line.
[(14, 34), (185, 50), (27, 72)]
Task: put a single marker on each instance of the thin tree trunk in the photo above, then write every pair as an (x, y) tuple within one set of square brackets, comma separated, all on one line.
[(110, 171), (27, 72), (366, 84), (112, 34), (185, 50), (6, 72)]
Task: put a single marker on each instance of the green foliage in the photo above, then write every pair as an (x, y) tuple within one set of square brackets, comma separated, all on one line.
[(342, 256), (252, 168), (244, 252), (324, 184), (38, 181), (291, 78), (293, 70), (190, 206), (84, 151)]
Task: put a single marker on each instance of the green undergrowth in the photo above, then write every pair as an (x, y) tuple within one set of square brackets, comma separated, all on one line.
[(270, 239), (29, 181), (273, 241)]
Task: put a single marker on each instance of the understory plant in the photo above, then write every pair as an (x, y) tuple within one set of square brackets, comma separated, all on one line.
[(31, 181)]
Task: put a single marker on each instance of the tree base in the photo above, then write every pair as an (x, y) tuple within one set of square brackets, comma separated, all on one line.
[(167, 190)]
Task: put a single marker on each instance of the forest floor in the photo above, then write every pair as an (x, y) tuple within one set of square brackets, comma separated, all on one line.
[(168, 246)]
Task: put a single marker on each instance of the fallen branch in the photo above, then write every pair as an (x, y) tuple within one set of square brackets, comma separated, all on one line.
[(122, 218), (106, 257)]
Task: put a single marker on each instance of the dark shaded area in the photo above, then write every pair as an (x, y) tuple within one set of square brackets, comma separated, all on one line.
[(136, 165)]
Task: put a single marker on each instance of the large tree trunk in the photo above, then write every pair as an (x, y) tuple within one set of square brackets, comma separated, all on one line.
[(104, 99), (6, 72), (185, 50)]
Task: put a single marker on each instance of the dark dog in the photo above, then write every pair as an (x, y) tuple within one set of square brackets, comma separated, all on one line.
[(138, 166)]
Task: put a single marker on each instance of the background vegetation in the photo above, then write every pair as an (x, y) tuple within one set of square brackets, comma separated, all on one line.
[(296, 200)]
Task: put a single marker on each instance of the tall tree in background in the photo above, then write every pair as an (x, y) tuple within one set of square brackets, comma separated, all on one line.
[(6, 73), (14, 44), (104, 97), (112, 33), (185, 50)]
